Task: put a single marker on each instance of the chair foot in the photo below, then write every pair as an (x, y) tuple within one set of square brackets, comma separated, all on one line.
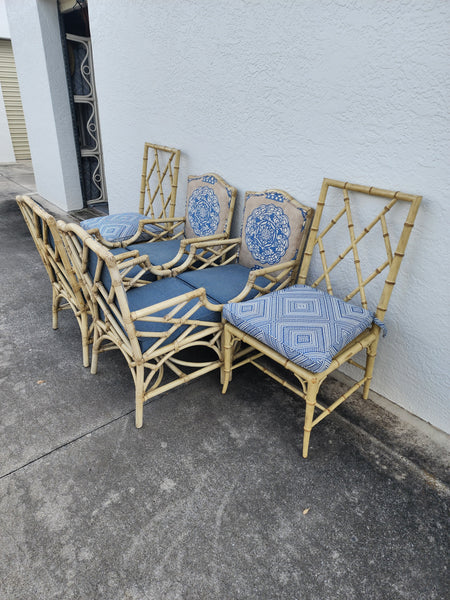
[(86, 360), (225, 378), (139, 416), (306, 436), (94, 363), (311, 396)]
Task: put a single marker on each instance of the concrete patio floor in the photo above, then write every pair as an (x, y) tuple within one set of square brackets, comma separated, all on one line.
[(211, 498)]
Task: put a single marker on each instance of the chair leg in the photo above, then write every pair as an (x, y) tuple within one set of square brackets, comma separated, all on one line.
[(55, 307), (370, 361), (84, 326), (139, 397), (225, 368), (311, 396), (95, 349)]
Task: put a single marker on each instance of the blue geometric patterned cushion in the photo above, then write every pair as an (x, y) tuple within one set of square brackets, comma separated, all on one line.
[(304, 324), (118, 227)]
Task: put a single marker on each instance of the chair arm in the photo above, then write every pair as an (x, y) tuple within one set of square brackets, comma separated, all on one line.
[(129, 260), (200, 293), (167, 226), (276, 274), (193, 329), (187, 242), (209, 253), (95, 233)]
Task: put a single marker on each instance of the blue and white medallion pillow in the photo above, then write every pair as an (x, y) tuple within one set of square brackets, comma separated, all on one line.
[(304, 324), (118, 227), (271, 229), (267, 234), (203, 211), (208, 206)]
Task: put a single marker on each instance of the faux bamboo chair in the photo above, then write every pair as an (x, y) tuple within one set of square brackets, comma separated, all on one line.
[(157, 200), (66, 291), (312, 332), (151, 324), (208, 215), (266, 256)]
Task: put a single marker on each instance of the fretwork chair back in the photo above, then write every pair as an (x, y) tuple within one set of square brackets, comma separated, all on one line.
[(311, 331), (157, 202), (208, 216), (66, 290), (274, 230), (159, 326)]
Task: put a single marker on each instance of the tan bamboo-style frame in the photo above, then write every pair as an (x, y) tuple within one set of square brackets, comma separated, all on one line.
[(234, 356), (159, 181), (115, 326), (204, 254), (66, 290)]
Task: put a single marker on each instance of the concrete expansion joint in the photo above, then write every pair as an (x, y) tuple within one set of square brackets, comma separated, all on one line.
[(66, 444)]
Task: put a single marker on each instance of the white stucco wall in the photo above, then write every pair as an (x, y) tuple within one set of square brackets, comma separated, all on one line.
[(4, 25), (40, 69), (277, 93)]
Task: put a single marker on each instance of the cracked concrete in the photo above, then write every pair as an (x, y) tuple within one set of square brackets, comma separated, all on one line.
[(211, 498)]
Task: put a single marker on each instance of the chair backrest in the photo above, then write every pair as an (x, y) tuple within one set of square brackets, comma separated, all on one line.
[(159, 181), (274, 229), (347, 258), (209, 206), (43, 229)]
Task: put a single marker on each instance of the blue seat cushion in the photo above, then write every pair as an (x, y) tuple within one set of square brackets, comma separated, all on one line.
[(118, 227), (304, 324), (158, 252), (222, 283), (159, 291)]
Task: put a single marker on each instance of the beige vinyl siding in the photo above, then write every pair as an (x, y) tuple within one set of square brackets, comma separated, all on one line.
[(13, 102)]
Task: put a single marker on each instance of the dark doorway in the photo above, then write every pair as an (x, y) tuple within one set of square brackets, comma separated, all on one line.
[(76, 42)]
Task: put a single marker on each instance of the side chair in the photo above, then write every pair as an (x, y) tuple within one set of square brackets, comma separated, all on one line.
[(66, 290), (267, 256), (157, 199), (158, 326), (312, 330)]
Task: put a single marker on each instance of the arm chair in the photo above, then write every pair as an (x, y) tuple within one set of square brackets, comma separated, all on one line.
[(208, 216), (159, 326), (310, 331), (157, 199), (66, 291), (266, 256)]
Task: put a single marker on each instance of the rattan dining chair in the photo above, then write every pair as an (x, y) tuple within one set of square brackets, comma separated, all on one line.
[(158, 326), (157, 200), (66, 290), (310, 331)]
